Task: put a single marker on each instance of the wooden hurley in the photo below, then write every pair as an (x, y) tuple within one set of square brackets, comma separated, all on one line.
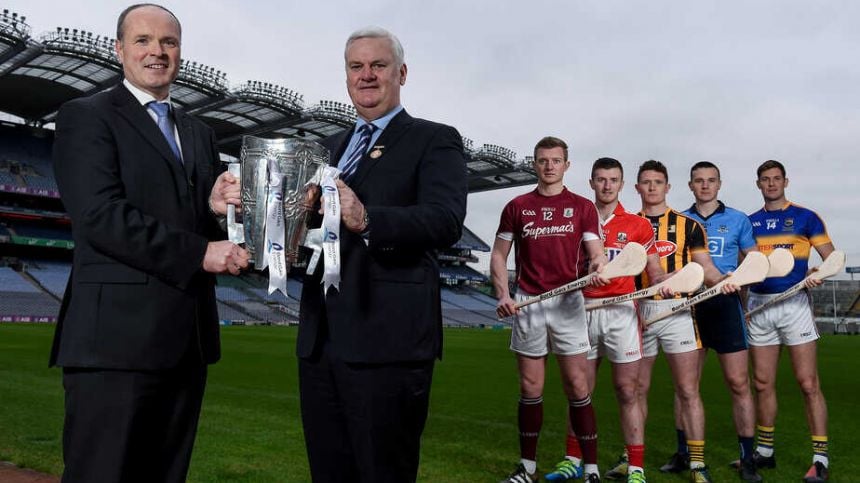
[(828, 268), (630, 261), (781, 262), (752, 270), (687, 279)]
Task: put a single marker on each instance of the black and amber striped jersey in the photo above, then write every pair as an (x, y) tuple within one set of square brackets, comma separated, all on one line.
[(677, 238)]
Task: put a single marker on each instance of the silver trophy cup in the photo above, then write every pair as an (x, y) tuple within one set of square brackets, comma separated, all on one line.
[(276, 174)]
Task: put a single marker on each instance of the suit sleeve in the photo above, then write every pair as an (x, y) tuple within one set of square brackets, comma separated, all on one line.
[(88, 172), (436, 219)]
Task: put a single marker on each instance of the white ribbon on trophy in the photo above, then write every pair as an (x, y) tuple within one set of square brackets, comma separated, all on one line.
[(331, 228), (275, 257)]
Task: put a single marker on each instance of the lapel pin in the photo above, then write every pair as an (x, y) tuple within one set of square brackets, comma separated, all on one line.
[(377, 152)]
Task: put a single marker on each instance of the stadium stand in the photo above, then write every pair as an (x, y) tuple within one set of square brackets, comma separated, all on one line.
[(51, 275), (841, 295), (24, 301)]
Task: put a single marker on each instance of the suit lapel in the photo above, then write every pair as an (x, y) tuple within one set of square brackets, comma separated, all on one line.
[(186, 139), (136, 115), (389, 137), (341, 141)]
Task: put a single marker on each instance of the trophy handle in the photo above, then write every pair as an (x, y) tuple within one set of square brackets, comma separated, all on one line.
[(235, 231)]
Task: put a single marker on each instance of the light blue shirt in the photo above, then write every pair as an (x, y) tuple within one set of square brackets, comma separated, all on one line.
[(380, 124), (729, 232)]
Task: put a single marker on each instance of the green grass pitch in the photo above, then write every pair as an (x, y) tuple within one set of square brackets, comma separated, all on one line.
[(250, 429)]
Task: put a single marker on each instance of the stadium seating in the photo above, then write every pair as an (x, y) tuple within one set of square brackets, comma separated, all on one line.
[(34, 230), (6, 178), (52, 275), (846, 294), (11, 281), (464, 306), (21, 300)]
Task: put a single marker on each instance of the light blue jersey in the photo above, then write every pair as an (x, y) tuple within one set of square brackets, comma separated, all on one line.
[(729, 231)]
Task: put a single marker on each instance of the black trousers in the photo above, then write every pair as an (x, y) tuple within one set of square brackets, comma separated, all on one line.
[(131, 426), (363, 422)]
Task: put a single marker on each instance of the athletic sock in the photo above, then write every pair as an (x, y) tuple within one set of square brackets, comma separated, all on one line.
[(573, 449), (590, 469), (681, 441), (819, 450), (697, 452), (529, 465), (584, 424), (530, 420), (635, 456), (746, 446), (765, 440)]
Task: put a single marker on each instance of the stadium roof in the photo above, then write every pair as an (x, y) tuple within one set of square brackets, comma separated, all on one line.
[(39, 75)]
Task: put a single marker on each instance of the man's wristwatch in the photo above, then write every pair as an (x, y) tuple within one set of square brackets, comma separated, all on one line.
[(366, 229)]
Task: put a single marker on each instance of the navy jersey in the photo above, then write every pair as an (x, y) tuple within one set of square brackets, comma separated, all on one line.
[(793, 227)]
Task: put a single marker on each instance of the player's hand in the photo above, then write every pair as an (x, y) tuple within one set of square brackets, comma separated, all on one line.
[(812, 282), (667, 292), (730, 288), (225, 256), (506, 307), (312, 194), (597, 267), (351, 208), (227, 191), (598, 281)]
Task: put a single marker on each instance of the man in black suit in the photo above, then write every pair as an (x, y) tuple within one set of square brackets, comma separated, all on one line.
[(366, 350), (138, 323)]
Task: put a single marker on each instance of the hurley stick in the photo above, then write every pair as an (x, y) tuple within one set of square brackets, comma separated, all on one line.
[(828, 268), (631, 261), (781, 262), (752, 270), (687, 279)]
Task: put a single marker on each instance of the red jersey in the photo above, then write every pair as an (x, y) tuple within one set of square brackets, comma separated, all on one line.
[(620, 229), (547, 232)]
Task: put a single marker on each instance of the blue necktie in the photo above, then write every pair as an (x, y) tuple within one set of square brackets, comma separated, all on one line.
[(351, 165), (165, 124)]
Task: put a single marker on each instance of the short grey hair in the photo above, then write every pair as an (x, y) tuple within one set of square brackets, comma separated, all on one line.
[(378, 33)]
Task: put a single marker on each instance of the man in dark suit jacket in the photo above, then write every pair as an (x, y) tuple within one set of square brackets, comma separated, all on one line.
[(138, 324), (366, 350)]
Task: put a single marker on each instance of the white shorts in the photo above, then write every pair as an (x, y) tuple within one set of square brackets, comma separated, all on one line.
[(554, 325), (613, 332), (789, 322), (675, 334)]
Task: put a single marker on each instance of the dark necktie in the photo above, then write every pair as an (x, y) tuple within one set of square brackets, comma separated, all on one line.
[(165, 124), (351, 165)]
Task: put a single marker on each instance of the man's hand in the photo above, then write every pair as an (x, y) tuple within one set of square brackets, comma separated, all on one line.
[(506, 307), (813, 282), (225, 256), (596, 266), (225, 192), (667, 292), (312, 195), (351, 209), (730, 288)]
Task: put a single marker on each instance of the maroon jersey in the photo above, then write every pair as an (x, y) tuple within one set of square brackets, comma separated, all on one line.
[(547, 232)]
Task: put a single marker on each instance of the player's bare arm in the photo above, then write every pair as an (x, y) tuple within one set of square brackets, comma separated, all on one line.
[(506, 305), (712, 274), (596, 260), (656, 274), (824, 251)]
